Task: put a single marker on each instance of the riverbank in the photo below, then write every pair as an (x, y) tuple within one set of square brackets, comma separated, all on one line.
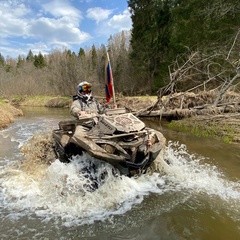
[(7, 114), (222, 126), (9, 108)]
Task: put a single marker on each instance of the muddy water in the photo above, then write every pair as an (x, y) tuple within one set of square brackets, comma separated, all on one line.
[(197, 198)]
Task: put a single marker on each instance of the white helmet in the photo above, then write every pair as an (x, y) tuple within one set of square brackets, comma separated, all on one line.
[(84, 91)]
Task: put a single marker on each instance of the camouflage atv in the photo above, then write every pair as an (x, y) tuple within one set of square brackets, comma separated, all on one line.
[(116, 137)]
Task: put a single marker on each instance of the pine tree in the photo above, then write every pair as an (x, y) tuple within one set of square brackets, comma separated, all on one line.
[(20, 62), (94, 56), (150, 38), (2, 60), (39, 61), (81, 53), (30, 56)]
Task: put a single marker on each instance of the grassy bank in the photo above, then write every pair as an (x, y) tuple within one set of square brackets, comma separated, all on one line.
[(41, 101), (225, 128)]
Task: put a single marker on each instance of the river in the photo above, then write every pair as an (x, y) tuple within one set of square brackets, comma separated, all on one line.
[(198, 198)]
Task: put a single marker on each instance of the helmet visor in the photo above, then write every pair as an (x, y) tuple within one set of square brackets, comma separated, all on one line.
[(86, 88)]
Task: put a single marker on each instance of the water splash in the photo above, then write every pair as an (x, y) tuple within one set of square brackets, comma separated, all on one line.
[(87, 190), (66, 190), (191, 172)]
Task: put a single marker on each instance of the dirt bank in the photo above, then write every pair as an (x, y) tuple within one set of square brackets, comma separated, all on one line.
[(8, 114)]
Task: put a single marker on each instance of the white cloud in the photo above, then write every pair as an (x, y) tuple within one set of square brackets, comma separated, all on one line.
[(42, 25), (98, 14), (121, 21), (60, 30), (11, 22), (13, 8), (58, 8), (57, 31), (115, 24)]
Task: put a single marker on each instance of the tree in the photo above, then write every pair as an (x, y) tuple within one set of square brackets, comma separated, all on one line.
[(39, 61), (94, 57), (81, 53), (123, 81), (150, 39), (202, 24), (20, 62), (2, 60), (30, 56), (162, 29)]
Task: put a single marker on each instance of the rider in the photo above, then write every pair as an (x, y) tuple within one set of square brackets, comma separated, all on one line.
[(84, 103)]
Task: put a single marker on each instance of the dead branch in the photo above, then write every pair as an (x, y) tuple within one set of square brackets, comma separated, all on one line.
[(234, 42), (224, 88)]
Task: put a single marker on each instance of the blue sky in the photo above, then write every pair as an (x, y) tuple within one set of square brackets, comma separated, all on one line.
[(45, 25)]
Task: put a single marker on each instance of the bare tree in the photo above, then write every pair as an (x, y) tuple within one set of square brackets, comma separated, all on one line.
[(196, 71)]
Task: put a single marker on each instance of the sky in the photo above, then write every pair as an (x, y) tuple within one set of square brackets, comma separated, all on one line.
[(46, 25)]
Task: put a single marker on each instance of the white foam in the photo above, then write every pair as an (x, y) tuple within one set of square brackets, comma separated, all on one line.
[(190, 172), (63, 190)]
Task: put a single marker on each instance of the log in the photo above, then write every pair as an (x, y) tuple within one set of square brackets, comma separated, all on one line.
[(185, 113)]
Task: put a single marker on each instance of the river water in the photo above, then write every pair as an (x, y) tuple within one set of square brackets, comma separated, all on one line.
[(198, 197)]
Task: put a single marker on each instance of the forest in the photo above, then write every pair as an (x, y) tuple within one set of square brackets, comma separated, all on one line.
[(173, 46)]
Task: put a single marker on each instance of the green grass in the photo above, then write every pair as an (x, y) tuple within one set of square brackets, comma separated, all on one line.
[(201, 129), (2, 100), (41, 101)]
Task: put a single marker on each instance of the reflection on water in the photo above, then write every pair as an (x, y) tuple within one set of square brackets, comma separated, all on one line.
[(196, 195)]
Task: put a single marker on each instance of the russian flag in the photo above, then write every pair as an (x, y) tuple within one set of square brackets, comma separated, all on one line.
[(109, 80)]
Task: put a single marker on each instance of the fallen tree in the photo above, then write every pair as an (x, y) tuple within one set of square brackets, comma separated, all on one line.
[(185, 105), (209, 85)]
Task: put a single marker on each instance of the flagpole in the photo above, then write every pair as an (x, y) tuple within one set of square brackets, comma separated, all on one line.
[(113, 90)]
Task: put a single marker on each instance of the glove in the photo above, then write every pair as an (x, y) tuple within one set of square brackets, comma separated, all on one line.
[(81, 113), (84, 114)]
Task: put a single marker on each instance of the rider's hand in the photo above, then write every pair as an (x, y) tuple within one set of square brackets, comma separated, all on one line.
[(81, 113), (85, 114)]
